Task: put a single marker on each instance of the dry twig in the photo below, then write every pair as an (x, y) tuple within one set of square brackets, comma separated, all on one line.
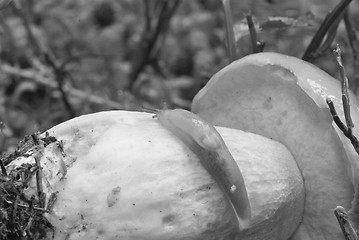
[(47, 57), (166, 10), (345, 93), (345, 224), (46, 80), (346, 128), (257, 46)]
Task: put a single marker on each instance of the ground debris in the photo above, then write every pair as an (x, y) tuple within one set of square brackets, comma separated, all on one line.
[(22, 217)]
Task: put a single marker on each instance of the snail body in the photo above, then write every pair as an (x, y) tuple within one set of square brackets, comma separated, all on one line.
[(204, 140)]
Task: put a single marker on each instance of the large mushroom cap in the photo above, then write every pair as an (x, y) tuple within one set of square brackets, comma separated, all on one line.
[(284, 98)]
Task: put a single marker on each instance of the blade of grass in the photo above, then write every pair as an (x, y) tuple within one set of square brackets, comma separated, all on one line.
[(231, 48), (354, 44), (323, 29)]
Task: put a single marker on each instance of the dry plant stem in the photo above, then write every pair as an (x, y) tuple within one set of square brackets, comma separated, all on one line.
[(48, 57), (342, 126), (3, 169), (60, 75), (345, 94), (336, 13), (46, 81), (26, 207), (26, 22), (336, 118), (231, 47), (12, 216), (40, 192), (149, 38), (39, 181), (342, 216), (256, 45), (345, 224), (51, 201), (27, 228), (8, 34)]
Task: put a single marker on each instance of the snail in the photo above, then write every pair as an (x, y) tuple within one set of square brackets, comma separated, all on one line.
[(204, 140)]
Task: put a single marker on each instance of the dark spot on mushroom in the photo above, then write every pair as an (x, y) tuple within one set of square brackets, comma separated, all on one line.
[(113, 196), (267, 104), (168, 219)]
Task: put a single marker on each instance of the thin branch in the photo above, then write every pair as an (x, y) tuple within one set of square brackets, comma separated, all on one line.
[(257, 46), (3, 169), (345, 128), (336, 13), (39, 187), (60, 75), (232, 53), (149, 39), (48, 82), (349, 134), (51, 201), (336, 118), (26, 206), (345, 224), (162, 38), (345, 93), (26, 22), (48, 57)]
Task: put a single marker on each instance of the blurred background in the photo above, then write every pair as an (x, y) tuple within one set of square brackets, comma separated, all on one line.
[(62, 59)]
